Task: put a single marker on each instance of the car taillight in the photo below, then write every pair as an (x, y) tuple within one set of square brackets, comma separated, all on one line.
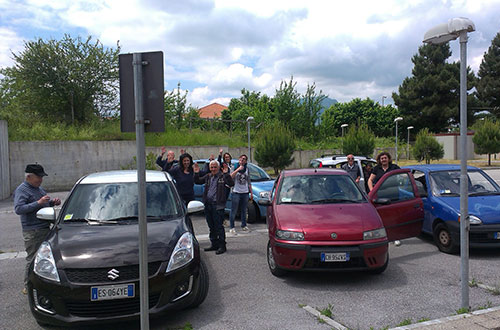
[(320, 164)]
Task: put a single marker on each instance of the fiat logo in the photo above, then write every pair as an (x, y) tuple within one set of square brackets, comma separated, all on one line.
[(333, 236)]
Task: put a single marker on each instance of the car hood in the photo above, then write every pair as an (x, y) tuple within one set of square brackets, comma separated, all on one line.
[(259, 186), (83, 246), (318, 222), (487, 208)]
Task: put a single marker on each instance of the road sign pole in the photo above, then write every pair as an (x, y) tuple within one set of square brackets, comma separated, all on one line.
[(141, 193)]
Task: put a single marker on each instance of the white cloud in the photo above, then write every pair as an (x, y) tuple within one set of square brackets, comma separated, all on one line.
[(11, 42)]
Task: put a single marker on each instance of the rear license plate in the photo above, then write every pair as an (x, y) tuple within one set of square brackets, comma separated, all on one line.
[(109, 292), (496, 235), (334, 257)]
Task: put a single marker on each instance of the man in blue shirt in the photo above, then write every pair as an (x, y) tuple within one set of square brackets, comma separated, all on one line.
[(29, 197)]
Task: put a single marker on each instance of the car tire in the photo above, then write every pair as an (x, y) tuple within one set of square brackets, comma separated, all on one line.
[(382, 269), (273, 267), (444, 240), (202, 287), (252, 212)]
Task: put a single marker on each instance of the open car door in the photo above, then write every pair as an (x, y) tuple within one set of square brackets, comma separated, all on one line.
[(396, 199)]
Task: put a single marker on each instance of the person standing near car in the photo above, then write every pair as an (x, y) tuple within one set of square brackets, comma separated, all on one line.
[(352, 168), (29, 197), (384, 165), (242, 191), (183, 175), (214, 198)]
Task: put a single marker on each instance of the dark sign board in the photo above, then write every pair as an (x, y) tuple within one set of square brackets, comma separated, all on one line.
[(152, 91)]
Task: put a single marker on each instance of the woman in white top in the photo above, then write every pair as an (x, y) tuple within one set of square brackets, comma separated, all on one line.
[(242, 192)]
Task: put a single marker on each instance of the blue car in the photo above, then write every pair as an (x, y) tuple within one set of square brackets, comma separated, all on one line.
[(440, 191), (261, 182)]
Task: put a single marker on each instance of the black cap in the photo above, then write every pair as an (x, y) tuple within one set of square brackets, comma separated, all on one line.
[(35, 169)]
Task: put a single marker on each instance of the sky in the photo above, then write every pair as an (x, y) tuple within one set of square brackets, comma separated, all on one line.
[(215, 48)]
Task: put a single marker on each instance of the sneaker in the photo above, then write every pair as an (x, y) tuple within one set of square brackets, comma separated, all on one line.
[(397, 242), (24, 291), (232, 231), (245, 228)]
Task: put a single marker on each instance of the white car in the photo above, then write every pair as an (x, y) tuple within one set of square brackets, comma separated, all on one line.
[(336, 161)]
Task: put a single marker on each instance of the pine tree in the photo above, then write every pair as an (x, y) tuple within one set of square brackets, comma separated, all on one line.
[(427, 147), (488, 87), (487, 138)]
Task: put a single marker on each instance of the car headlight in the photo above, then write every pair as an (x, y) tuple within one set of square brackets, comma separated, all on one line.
[(183, 252), (473, 220), (45, 265), (374, 234), (290, 235)]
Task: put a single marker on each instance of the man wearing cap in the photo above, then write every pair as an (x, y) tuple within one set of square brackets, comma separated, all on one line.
[(29, 197)]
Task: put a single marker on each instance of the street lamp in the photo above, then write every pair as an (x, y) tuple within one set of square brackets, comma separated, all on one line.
[(343, 126), (408, 145), (396, 121), (458, 27), (383, 97), (249, 119)]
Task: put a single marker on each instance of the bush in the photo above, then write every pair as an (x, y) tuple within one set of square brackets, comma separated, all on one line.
[(427, 147), (274, 147), (487, 138), (359, 141)]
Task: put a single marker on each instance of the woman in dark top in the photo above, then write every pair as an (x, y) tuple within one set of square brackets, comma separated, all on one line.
[(384, 165), (184, 177)]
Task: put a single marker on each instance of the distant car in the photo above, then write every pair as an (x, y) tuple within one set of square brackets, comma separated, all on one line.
[(261, 181), (336, 161), (318, 219), (440, 186), (87, 269)]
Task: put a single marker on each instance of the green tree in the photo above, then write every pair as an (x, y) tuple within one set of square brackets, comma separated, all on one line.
[(274, 146), (175, 106), (307, 116), (486, 138), (427, 147), (359, 141), (430, 98), (488, 86), (249, 104), (68, 80), (286, 102)]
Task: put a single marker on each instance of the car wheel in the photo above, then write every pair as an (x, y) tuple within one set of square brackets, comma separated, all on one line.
[(382, 269), (443, 239), (273, 267), (202, 287), (252, 212)]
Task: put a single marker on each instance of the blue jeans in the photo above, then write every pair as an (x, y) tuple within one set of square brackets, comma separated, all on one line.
[(241, 201), (215, 219)]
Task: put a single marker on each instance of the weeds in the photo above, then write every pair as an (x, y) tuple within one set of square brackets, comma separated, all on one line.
[(495, 291), (463, 310), (424, 319), (473, 283), (327, 311), (488, 305), (405, 322)]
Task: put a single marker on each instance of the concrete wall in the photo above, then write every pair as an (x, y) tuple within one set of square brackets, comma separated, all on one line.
[(4, 161), (451, 144)]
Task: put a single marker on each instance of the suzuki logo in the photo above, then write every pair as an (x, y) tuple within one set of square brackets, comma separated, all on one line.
[(333, 236), (113, 274)]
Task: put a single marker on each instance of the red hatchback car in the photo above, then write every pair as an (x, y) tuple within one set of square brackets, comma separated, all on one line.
[(319, 219)]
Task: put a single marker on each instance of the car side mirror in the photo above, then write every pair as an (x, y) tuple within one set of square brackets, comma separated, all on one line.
[(47, 213), (195, 206), (382, 201)]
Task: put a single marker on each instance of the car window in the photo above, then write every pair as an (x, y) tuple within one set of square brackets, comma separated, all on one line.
[(397, 187), (257, 174), (311, 189), (119, 200)]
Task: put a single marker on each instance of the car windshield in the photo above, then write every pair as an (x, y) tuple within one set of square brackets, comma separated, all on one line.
[(319, 189), (115, 202), (447, 183)]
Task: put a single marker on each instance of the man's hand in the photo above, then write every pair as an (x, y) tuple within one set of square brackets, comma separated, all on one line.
[(240, 168), (45, 199), (196, 168), (220, 151), (163, 150), (56, 201), (170, 157)]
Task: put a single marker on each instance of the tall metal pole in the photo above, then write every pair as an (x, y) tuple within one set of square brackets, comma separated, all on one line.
[(249, 149), (464, 207), (141, 191), (396, 141)]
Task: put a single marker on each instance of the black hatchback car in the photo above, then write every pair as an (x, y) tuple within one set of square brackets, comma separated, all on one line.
[(87, 269)]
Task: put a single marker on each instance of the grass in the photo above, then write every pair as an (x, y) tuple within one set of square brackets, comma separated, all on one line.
[(473, 283), (462, 310), (327, 311), (404, 322)]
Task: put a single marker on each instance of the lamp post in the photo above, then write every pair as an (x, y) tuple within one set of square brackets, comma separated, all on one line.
[(249, 119), (343, 126), (458, 27), (396, 121), (408, 145), (383, 97)]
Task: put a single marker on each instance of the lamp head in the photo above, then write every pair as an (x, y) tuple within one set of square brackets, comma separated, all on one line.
[(445, 32), (398, 119)]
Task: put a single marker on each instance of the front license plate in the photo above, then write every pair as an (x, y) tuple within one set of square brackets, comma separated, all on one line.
[(496, 235), (334, 257), (109, 292)]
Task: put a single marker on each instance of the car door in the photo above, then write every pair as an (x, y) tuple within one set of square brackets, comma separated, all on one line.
[(396, 200)]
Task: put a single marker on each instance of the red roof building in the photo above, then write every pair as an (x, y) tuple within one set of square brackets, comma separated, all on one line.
[(213, 110)]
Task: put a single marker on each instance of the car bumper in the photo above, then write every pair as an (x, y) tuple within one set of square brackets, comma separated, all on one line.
[(480, 236), (307, 257), (71, 303)]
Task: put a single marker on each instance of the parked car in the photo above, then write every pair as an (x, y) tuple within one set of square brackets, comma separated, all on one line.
[(318, 219), (336, 161), (440, 185), (87, 269), (261, 181)]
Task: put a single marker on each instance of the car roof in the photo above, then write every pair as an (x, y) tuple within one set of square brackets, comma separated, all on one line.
[(314, 171), (341, 158), (438, 167), (124, 176)]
